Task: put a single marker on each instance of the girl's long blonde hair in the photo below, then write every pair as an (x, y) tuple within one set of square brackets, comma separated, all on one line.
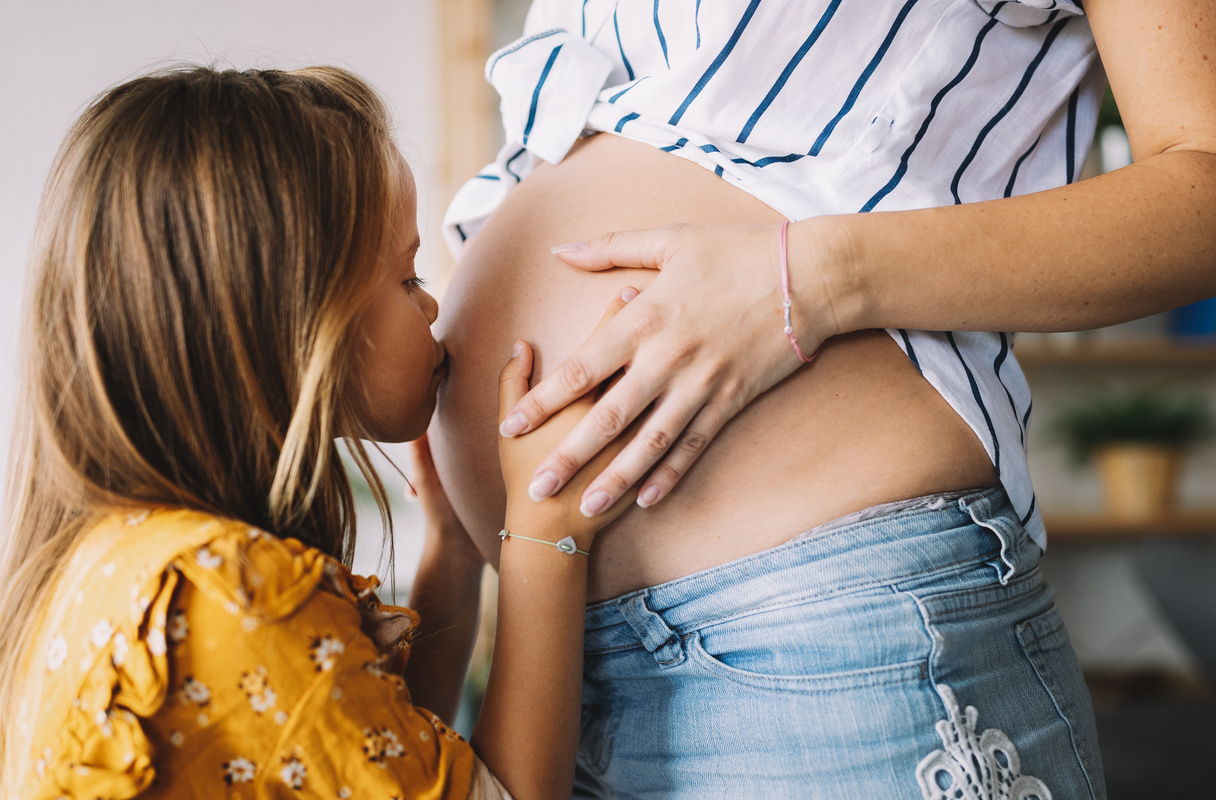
[(205, 241)]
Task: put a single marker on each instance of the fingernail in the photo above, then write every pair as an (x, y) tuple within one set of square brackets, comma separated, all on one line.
[(571, 247), (515, 424), (649, 496), (515, 351), (628, 293), (595, 503), (543, 485)]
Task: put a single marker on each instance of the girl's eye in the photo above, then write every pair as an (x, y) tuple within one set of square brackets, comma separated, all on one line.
[(411, 284)]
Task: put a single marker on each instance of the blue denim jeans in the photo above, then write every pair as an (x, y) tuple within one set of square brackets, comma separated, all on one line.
[(908, 651)]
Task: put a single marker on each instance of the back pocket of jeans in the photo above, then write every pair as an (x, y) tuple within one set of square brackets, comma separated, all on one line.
[(1045, 643)]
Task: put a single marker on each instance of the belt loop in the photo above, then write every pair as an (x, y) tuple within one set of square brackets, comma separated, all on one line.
[(980, 509), (656, 637)]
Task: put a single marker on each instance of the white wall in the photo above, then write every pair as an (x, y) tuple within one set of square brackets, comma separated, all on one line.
[(56, 56)]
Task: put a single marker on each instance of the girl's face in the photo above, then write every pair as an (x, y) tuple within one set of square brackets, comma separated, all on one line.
[(399, 363)]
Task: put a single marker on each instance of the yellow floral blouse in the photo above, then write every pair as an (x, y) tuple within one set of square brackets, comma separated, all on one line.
[(187, 656)]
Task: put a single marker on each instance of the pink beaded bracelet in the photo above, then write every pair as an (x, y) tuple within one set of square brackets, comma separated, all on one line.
[(785, 292)]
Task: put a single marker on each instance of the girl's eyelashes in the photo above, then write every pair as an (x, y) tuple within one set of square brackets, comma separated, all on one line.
[(413, 283)]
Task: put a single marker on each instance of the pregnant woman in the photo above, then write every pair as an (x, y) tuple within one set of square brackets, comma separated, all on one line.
[(842, 598)]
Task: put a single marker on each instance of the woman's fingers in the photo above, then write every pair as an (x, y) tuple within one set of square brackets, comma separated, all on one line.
[(597, 359), (649, 249), (606, 420), (661, 428), (688, 448), (513, 380)]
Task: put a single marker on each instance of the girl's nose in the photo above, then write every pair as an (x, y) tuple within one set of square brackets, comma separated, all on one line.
[(430, 306)]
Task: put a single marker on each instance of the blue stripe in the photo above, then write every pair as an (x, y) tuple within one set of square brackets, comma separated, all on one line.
[(624, 119), (485, 177), (522, 44), (789, 70), (1013, 176), (1026, 416), (1070, 138), (617, 96), (975, 392), (461, 232), (507, 165), (718, 170), (924, 126), (619, 46), (696, 18), (717, 62), (911, 351), (585, 18), (865, 76), (544, 75), (996, 367), (709, 148), (679, 143), (764, 162), (659, 30), (1033, 502), (1000, 115)]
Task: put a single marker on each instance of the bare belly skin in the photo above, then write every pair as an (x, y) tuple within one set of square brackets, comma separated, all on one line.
[(857, 427)]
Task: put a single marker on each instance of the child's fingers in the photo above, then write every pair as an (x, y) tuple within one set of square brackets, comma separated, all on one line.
[(422, 468), (513, 380), (618, 302)]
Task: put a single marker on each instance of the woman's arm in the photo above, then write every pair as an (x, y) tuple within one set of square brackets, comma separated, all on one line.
[(705, 338)]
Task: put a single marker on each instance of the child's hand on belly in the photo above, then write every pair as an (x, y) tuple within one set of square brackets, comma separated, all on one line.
[(558, 516)]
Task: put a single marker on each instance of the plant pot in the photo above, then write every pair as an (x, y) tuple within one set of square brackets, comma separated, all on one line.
[(1138, 480)]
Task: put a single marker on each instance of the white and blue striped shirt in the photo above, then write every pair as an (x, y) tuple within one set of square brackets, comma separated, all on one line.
[(823, 107)]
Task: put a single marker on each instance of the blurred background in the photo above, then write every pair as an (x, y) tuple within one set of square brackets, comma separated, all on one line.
[(1121, 454)]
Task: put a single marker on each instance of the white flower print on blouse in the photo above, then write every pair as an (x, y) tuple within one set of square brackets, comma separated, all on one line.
[(239, 770), (56, 653), (322, 651), (177, 738), (257, 688), (381, 744), (156, 642), (136, 517), (344, 793), (41, 764), (178, 628), (108, 569), (102, 720), (280, 718), (194, 691), (101, 633), (294, 773), (119, 653), (206, 559)]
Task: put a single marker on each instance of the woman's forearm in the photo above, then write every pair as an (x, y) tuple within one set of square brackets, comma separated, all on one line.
[(1113, 248)]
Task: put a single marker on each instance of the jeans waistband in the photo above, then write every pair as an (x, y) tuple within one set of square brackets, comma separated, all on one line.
[(882, 545)]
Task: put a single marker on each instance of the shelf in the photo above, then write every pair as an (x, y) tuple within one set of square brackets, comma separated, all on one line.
[(1132, 352), (1098, 527)]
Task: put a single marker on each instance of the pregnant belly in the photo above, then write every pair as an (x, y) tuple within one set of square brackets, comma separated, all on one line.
[(857, 427)]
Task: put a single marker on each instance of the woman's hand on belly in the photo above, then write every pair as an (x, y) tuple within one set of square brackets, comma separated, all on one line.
[(704, 340)]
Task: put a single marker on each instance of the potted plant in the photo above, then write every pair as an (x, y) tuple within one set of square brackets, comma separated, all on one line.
[(1137, 440)]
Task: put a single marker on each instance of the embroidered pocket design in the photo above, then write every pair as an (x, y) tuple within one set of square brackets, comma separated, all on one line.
[(974, 766)]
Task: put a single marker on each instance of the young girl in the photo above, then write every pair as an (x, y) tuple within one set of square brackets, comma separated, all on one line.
[(225, 285)]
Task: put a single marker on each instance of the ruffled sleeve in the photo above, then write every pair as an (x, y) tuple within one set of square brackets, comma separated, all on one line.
[(201, 658)]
